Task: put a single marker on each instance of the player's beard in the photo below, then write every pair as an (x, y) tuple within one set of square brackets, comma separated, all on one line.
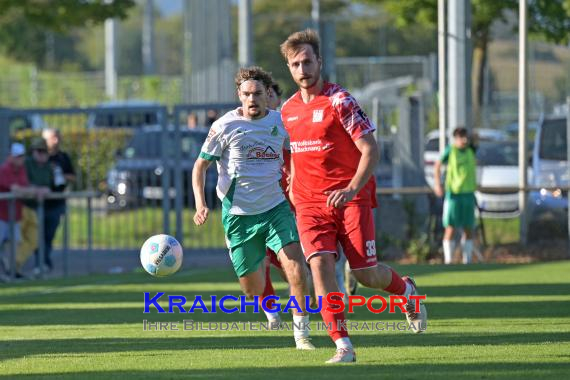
[(254, 113), (307, 83)]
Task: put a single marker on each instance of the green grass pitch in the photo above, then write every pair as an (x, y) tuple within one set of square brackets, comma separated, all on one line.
[(486, 322)]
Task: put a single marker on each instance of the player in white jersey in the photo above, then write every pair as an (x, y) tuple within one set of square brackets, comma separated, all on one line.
[(247, 145)]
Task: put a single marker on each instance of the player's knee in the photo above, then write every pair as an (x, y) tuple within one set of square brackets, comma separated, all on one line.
[(252, 291), (297, 275)]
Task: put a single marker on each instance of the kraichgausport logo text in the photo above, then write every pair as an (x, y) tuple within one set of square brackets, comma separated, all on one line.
[(334, 302)]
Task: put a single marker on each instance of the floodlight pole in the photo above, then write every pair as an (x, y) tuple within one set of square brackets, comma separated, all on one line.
[(110, 57), (523, 90), (316, 15), (442, 82), (568, 162), (148, 38), (245, 33), (459, 64)]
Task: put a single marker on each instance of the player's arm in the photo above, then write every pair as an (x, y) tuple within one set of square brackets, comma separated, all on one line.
[(368, 148), (198, 183), (359, 128), (290, 181), (437, 186), (437, 179)]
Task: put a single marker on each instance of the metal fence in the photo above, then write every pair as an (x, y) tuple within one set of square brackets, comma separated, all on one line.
[(137, 161)]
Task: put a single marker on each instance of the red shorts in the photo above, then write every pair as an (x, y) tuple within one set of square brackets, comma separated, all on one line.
[(273, 258), (353, 227)]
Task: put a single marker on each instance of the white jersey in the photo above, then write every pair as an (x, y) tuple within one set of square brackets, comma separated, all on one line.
[(249, 157)]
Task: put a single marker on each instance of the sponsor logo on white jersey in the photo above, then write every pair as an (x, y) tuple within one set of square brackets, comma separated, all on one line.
[(258, 153)]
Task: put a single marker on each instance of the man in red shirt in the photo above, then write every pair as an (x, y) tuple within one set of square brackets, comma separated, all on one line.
[(13, 178), (333, 154)]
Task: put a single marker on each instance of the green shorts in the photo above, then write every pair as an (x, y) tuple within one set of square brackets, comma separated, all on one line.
[(247, 236), (459, 210)]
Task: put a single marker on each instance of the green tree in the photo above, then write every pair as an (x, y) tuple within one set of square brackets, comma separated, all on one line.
[(548, 19), (28, 28)]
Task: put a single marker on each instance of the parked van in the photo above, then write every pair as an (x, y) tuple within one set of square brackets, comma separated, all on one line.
[(548, 207)]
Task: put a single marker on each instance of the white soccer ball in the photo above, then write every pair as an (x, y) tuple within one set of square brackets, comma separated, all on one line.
[(161, 255)]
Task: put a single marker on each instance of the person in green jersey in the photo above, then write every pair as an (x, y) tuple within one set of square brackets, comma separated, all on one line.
[(460, 186)]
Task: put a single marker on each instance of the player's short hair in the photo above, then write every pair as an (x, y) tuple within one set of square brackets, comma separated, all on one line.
[(276, 88), (460, 132), (294, 42), (253, 73)]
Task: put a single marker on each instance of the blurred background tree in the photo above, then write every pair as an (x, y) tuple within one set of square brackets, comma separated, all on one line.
[(41, 32), (548, 20)]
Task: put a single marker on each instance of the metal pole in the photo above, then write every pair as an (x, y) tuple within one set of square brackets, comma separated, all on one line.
[(376, 113), (245, 33), (65, 244), (441, 64), (568, 162), (459, 76), (523, 82), (187, 66), (41, 237), (148, 38), (89, 234), (316, 15), (12, 219), (167, 165), (179, 200), (110, 57)]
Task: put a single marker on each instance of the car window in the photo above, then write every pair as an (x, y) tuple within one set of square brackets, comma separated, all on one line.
[(149, 145), (121, 119), (553, 140), (498, 154), (432, 145)]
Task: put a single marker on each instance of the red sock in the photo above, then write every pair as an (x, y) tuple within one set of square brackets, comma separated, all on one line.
[(333, 322), (397, 286), (268, 290)]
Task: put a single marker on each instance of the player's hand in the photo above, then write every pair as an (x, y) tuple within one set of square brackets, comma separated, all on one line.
[(290, 194), (201, 216), (438, 190), (338, 198)]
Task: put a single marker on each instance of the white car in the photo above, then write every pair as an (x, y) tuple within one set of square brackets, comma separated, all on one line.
[(497, 166)]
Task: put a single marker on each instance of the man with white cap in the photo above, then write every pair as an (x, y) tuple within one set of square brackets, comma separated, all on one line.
[(13, 178)]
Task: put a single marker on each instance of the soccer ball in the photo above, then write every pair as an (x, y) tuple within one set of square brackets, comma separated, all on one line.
[(161, 255)]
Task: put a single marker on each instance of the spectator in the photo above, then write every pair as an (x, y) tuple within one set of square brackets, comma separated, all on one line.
[(59, 158), (13, 179), (41, 174), (63, 174), (211, 116), (460, 186), (192, 121)]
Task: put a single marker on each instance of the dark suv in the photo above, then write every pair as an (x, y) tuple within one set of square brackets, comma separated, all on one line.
[(136, 178)]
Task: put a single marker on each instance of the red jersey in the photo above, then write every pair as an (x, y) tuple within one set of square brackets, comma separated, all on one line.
[(11, 175), (322, 134)]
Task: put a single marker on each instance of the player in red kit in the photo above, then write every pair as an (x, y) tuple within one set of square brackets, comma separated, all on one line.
[(333, 154)]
